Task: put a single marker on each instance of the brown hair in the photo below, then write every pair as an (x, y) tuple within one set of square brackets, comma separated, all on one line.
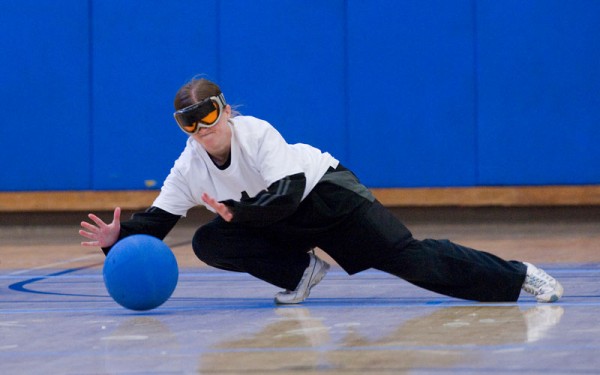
[(195, 91)]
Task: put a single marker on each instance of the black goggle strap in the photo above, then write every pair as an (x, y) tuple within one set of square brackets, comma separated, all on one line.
[(190, 118)]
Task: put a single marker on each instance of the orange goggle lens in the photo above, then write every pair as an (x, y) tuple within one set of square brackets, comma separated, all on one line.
[(204, 114), (212, 117), (190, 128)]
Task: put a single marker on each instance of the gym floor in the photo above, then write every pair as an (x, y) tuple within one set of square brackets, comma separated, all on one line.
[(57, 318)]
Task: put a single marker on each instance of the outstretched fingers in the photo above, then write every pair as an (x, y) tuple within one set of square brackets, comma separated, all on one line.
[(89, 227), (117, 216), (91, 243), (97, 220), (219, 207), (101, 233)]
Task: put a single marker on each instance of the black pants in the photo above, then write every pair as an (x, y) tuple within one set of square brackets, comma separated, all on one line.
[(358, 234)]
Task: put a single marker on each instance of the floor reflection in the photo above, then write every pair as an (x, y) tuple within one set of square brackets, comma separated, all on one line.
[(142, 344), (299, 339)]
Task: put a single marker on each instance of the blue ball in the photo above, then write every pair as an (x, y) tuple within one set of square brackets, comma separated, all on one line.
[(140, 272)]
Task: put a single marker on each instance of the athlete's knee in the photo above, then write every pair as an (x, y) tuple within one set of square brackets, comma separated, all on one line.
[(205, 244)]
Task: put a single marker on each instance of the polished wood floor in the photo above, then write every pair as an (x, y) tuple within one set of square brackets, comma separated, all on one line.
[(57, 318)]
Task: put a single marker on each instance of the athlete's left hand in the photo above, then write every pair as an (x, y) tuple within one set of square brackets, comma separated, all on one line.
[(219, 207)]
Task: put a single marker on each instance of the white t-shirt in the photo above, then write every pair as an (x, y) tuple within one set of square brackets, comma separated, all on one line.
[(259, 157)]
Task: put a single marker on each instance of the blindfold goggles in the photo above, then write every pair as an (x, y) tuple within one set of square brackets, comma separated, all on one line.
[(204, 114)]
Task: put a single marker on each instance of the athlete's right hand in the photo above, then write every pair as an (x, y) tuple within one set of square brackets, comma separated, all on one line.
[(101, 234)]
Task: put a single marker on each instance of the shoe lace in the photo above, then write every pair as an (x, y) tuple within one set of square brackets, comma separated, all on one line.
[(536, 284)]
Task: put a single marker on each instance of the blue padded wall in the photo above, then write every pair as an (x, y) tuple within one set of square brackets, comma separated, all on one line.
[(406, 93), (44, 95), (141, 56), (411, 92), (283, 61), (539, 92)]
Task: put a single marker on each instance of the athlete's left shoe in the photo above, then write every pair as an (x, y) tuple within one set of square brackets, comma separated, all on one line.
[(544, 287), (313, 274)]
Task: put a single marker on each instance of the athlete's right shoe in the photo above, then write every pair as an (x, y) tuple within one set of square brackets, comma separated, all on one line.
[(313, 274), (544, 287)]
